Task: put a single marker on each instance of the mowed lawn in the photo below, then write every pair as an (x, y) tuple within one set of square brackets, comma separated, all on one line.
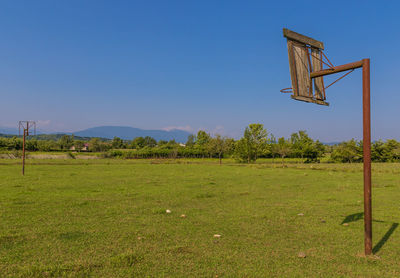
[(107, 218)]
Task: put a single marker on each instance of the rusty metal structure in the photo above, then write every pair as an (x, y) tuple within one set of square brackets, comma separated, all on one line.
[(306, 65), (26, 127)]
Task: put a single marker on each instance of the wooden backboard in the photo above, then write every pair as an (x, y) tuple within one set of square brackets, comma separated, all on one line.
[(305, 56)]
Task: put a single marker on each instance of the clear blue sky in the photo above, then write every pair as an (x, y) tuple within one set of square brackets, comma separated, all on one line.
[(215, 65)]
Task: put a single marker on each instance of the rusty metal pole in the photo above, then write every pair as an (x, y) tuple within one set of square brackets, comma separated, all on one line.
[(367, 156), (23, 153)]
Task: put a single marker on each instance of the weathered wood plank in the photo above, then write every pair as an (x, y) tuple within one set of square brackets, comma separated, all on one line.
[(310, 99), (316, 59), (302, 70), (301, 38), (292, 68)]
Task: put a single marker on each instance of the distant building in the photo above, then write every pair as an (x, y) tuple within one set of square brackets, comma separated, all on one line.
[(85, 148)]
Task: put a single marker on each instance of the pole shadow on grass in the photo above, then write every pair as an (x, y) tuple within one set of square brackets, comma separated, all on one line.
[(353, 217), (360, 215), (385, 238)]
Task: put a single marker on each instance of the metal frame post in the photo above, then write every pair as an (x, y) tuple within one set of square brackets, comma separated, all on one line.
[(25, 125), (365, 64), (23, 153), (367, 156)]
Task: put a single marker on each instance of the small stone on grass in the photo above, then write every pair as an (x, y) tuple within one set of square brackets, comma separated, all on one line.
[(217, 236), (168, 211), (301, 255)]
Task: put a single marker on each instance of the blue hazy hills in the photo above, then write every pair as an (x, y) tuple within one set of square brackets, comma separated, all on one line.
[(129, 133), (123, 132)]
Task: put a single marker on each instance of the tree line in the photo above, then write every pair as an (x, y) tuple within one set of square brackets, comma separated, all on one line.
[(256, 143)]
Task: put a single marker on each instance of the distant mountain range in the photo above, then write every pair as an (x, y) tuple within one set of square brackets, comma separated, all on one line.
[(9, 130), (123, 132), (129, 133), (52, 137)]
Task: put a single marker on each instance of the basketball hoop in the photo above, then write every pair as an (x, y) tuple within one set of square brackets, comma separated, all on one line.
[(306, 73), (287, 90)]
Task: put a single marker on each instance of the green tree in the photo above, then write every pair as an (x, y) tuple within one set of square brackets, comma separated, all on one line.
[(218, 145), (79, 144), (138, 143), (46, 145), (230, 146), (253, 143), (316, 152), (202, 141), (191, 140), (396, 153), (117, 143), (202, 138), (258, 136), (243, 151), (283, 148), (66, 142), (350, 151), (172, 144), (301, 144), (305, 147), (149, 142), (32, 145), (377, 150), (162, 143), (95, 145), (389, 153)]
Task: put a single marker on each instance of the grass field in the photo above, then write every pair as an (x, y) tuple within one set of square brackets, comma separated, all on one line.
[(107, 218)]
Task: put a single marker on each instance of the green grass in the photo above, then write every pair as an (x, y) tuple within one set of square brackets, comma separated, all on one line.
[(106, 218)]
